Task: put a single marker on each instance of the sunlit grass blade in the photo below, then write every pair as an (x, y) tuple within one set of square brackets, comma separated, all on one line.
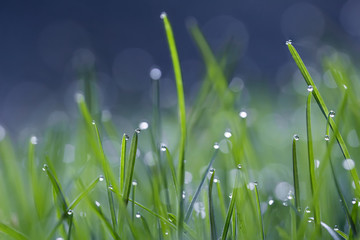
[(211, 207), (311, 160), (130, 167), (91, 186), (325, 112), (342, 234), (11, 232), (330, 231), (198, 190), (123, 161), (260, 218), (182, 117)]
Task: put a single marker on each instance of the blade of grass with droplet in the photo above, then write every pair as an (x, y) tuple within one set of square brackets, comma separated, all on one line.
[(171, 166), (294, 224), (133, 204), (221, 199), (130, 168), (330, 231), (325, 112), (182, 117), (260, 219), (198, 190), (354, 217), (83, 194), (122, 162), (70, 226), (11, 232), (211, 208), (311, 160), (103, 218), (342, 234), (231, 208)]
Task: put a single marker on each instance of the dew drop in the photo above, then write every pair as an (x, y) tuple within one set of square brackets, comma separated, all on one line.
[(345, 87), (310, 219), (230, 196), (163, 147), (336, 228), (183, 195), (216, 145), (271, 202), (348, 164), (45, 167), (97, 203), (307, 210), (288, 42), (110, 187), (354, 201), (212, 170), (138, 130), (227, 134), (134, 183), (155, 74), (327, 138), (143, 125), (93, 122), (34, 140), (290, 195), (239, 166), (296, 137), (285, 204), (310, 88), (251, 185), (70, 212), (166, 233), (317, 163), (216, 180), (101, 178), (138, 215), (243, 114), (79, 97), (127, 137), (163, 15), (331, 114)]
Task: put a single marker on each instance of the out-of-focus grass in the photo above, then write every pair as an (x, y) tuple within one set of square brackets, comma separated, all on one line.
[(281, 172)]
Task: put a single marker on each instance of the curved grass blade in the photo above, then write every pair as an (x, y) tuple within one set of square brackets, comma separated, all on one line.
[(325, 112), (330, 231), (171, 165), (211, 208), (91, 186), (182, 117), (130, 168), (311, 160), (198, 190), (259, 212), (11, 232)]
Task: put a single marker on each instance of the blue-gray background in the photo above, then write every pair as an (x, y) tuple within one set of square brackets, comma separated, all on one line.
[(43, 42)]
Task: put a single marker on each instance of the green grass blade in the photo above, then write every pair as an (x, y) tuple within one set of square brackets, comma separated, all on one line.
[(134, 184), (11, 232), (130, 167), (261, 224), (182, 117), (171, 166), (91, 186), (71, 217), (325, 111), (342, 234), (311, 160), (296, 174), (330, 231), (198, 190), (211, 207), (354, 217), (123, 161), (221, 198)]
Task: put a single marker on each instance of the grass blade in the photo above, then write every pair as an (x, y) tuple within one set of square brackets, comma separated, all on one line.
[(311, 159), (294, 224), (123, 161), (91, 186), (130, 167), (198, 190), (171, 165), (330, 231), (259, 212), (211, 207), (182, 117), (324, 110), (12, 232)]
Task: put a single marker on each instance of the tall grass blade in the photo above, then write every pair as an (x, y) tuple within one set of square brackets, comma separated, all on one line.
[(211, 207), (171, 166), (123, 161), (330, 231), (182, 117), (11, 232), (130, 167), (198, 190), (325, 112), (91, 186), (261, 224)]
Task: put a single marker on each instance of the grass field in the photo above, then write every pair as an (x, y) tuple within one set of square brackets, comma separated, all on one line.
[(236, 163)]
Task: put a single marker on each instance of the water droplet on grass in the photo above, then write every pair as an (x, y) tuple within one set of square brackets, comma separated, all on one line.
[(163, 15), (288, 42), (307, 210), (227, 134), (243, 114), (127, 137), (317, 163), (45, 167), (134, 183), (331, 114), (166, 233), (143, 125), (310, 88), (230, 196), (327, 138), (137, 130), (216, 180), (354, 201), (311, 219), (138, 215), (79, 97), (216, 145), (163, 147), (271, 202), (70, 212), (239, 166), (348, 164), (97, 203), (101, 178), (212, 170), (183, 195), (110, 188), (336, 228), (296, 137), (34, 140)]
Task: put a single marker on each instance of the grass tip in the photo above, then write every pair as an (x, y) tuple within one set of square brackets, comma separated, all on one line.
[(79, 97), (288, 42), (163, 15)]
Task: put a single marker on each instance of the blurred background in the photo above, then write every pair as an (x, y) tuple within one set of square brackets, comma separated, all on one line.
[(45, 45)]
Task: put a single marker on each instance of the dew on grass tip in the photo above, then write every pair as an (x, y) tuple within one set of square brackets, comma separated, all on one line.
[(216, 180), (336, 228), (296, 137), (34, 140), (111, 187), (137, 130), (212, 170), (327, 138), (134, 183), (230, 196), (163, 147), (307, 210), (138, 215), (163, 15), (70, 212), (354, 201), (101, 178), (331, 114), (239, 166), (288, 42), (243, 114), (348, 164), (227, 134), (310, 88), (216, 145), (183, 195), (45, 167), (127, 137), (97, 203), (79, 97), (271, 202), (311, 219), (93, 122)]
